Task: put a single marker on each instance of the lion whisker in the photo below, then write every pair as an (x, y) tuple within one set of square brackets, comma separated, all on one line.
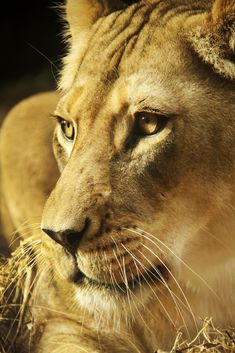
[(175, 298), (127, 287), (119, 264), (147, 235), (18, 276), (21, 231), (187, 305), (144, 268)]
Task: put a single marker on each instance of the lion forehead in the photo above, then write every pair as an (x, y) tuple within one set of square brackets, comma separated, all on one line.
[(122, 42)]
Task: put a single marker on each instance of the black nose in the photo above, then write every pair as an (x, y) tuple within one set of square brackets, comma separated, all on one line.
[(69, 238)]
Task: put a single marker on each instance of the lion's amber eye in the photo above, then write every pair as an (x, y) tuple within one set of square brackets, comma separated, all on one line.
[(148, 123), (67, 129)]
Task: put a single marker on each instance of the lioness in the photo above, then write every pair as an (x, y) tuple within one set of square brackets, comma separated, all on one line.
[(138, 227)]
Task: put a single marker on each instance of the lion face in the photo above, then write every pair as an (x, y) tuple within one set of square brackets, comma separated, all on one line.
[(146, 157)]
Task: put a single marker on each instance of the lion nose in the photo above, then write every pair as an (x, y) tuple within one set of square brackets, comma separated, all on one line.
[(69, 238)]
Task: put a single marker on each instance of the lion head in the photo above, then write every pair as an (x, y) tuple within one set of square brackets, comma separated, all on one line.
[(144, 207)]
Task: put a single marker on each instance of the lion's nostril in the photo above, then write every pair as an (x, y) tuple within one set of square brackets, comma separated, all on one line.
[(69, 238), (53, 235)]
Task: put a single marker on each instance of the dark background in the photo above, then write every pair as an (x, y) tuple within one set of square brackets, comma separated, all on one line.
[(31, 49), (31, 44)]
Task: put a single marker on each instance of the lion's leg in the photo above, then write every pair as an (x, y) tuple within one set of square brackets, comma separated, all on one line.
[(67, 336)]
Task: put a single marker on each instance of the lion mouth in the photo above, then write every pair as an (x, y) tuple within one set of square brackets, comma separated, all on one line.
[(158, 274)]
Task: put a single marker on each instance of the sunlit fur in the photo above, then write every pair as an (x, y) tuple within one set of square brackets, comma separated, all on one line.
[(158, 253)]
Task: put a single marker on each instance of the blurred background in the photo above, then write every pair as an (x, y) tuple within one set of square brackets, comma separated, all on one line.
[(31, 47)]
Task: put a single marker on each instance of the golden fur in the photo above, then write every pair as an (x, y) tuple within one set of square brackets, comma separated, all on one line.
[(146, 222)]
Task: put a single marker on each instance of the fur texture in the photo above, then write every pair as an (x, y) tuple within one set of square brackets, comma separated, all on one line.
[(142, 206)]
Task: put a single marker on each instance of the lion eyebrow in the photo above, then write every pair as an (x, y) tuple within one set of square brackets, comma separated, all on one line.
[(142, 100), (58, 117), (53, 116)]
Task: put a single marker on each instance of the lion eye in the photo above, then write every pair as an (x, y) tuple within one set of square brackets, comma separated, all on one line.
[(67, 129), (148, 123)]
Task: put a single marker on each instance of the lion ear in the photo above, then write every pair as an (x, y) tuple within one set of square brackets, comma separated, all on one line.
[(81, 14), (214, 40)]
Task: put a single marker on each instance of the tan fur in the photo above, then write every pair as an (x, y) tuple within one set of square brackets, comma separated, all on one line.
[(20, 161), (215, 38), (167, 199)]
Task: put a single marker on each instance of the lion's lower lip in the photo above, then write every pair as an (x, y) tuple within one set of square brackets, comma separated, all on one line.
[(154, 275)]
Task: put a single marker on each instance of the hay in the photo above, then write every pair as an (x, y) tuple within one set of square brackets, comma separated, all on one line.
[(208, 340), (13, 274), (17, 271)]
